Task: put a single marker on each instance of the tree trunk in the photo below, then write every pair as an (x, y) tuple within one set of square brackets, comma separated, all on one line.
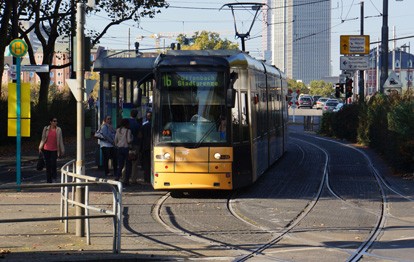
[(43, 91), (1, 71), (5, 37)]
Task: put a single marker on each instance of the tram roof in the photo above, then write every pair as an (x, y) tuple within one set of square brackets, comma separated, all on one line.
[(220, 52), (124, 64), (235, 57)]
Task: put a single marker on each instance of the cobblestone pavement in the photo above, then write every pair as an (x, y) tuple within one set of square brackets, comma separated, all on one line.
[(46, 241)]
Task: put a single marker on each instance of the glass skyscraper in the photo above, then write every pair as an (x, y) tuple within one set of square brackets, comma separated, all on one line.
[(300, 36)]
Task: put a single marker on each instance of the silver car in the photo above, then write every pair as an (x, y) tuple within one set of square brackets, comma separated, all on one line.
[(338, 107), (329, 106), (321, 102)]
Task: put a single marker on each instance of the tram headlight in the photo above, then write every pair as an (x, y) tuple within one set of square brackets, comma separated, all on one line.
[(217, 156), (167, 156)]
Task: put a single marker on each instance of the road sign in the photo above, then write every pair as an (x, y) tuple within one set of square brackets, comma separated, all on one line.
[(36, 68), (354, 44), (354, 62), (18, 47), (393, 81)]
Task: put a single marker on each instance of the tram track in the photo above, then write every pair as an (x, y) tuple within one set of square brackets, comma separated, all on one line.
[(295, 221), (358, 254), (374, 233), (156, 214), (245, 254)]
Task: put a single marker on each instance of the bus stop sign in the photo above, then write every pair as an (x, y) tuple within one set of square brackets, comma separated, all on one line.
[(18, 48)]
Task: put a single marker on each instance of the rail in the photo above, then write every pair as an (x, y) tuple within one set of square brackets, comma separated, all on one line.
[(70, 182)]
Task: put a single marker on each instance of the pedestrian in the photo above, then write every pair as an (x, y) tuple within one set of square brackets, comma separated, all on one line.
[(51, 144), (135, 128), (123, 138), (145, 147), (108, 146), (222, 127)]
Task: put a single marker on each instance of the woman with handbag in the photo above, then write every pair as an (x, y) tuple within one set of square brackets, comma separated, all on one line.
[(107, 145), (52, 147), (123, 140)]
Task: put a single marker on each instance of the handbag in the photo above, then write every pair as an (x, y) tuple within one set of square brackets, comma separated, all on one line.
[(99, 134), (40, 162), (132, 155)]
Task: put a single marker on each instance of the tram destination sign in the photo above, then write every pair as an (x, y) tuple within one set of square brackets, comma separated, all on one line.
[(354, 44), (192, 79)]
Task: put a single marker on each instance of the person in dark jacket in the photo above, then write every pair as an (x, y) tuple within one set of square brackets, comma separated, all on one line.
[(135, 128), (145, 147)]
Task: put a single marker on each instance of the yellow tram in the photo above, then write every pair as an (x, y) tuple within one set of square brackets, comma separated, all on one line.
[(219, 119)]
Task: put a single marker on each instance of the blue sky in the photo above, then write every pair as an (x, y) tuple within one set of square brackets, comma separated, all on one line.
[(188, 16)]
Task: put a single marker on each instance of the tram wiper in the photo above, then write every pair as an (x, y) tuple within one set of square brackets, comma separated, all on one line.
[(207, 133)]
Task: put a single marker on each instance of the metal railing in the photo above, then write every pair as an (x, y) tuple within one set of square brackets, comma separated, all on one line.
[(70, 182)]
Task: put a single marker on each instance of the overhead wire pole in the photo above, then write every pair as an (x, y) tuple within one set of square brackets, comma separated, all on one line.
[(254, 6), (361, 72), (80, 137), (384, 46)]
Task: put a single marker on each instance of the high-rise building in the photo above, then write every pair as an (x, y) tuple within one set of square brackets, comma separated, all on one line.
[(300, 38)]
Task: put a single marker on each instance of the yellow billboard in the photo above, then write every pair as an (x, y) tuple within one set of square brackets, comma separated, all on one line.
[(24, 127), (24, 101), (24, 110)]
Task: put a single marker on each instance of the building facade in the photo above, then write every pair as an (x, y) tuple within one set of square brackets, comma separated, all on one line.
[(300, 38), (399, 60)]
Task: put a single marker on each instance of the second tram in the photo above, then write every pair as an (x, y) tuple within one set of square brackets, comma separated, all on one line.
[(219, 119)]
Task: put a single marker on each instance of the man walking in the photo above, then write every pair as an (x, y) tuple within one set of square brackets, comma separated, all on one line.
[(146, 147), (135, 127)]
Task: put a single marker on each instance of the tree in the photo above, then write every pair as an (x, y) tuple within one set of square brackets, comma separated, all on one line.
[(5, 30), (320, 87), (205, 40), (52, 18), (295, 85)]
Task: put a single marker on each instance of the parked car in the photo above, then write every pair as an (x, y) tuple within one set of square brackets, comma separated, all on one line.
[(329, 106), (315, 99), (305, 101), (338, 107), (321, 102)]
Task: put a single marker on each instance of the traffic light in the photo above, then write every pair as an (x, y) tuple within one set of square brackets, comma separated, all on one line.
[(337, 90), (348, 87)]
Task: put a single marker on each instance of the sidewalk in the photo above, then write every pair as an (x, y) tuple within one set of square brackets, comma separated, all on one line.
[(46, 240)]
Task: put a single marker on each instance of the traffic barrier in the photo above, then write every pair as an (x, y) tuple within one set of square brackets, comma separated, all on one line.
[(70, 182)]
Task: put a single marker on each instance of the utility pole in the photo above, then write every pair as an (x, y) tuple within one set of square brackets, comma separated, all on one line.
[(361, 72), (71, 38), (80, 137), (384, 46)]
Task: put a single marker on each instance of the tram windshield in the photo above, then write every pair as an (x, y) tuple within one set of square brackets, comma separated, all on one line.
[(192, 107)]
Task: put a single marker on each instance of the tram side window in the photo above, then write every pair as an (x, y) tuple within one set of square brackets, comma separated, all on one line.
[(244, 116), (236, 120)]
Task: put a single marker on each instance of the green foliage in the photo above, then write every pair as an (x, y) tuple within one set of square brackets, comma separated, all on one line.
[(297, 85), (320, 87), (205, 40), (374, 124), (346, 122), (401, 124), (327, 124), (385, 123)]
